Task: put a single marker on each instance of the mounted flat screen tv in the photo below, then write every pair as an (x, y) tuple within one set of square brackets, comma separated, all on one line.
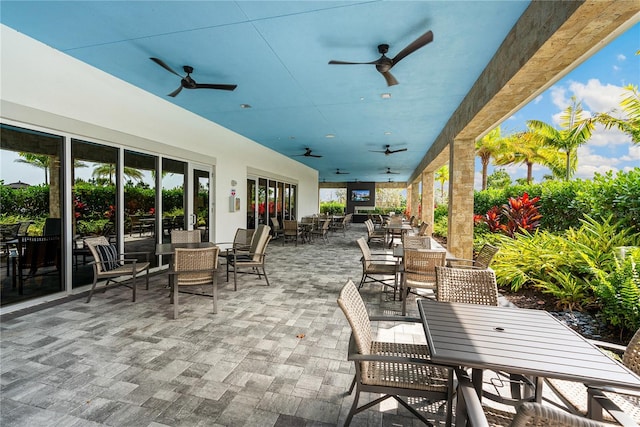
[(360, 195)]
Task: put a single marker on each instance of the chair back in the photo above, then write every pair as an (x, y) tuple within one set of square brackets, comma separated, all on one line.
[(275, 222), (205, 260), (242, 239), (259, 242), (416, 242), (485, 256), (24, 228), (186, 236), (91, 243), (420, 265), (9, 231), (631, 357), (423, 229), (470, 286), (395, 221), (366, 252), (52, 227), (39, 251), (355, 311)]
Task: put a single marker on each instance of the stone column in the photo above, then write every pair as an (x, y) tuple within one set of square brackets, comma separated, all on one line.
[(461, 174), (428, 199), (415, 198), (409, 194)]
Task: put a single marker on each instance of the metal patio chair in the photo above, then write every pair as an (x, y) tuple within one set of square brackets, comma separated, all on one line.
[(195, 267)]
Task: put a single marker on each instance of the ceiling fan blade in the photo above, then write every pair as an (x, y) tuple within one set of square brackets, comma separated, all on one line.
[(352, 63), (415, 45), (398, 151), (161, 63), (175, 92), (391, 81), (214, 86), (314, 155)]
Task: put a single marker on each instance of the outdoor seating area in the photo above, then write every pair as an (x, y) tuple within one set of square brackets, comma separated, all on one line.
[(264, 355)]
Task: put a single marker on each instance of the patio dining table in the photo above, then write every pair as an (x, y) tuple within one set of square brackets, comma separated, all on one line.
[(521, 341)]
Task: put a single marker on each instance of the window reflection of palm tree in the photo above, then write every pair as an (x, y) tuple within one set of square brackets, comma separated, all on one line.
[(108, 171)]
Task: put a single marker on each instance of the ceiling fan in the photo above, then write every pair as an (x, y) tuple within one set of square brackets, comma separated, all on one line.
[(384, 63), (391, 173), (187, 82), (388, 150), (307, 153), (341, 173)]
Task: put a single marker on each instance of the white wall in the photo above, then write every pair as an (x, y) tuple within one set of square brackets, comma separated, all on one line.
[(45, 87)]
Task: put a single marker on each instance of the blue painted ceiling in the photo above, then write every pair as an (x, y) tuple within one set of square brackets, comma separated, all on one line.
[(277, 52)]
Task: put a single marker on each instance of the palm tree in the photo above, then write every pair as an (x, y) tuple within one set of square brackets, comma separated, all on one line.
[(41, 161), (108, 170), (528, 148), (631, 108), (442, 176), (575, 131), (488, 146)]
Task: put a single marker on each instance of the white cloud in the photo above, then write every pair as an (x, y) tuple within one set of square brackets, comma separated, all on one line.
[(616, 68), (538, 99), (597, 96), (633, 155), (602, 137), (621, 57), (559, 98), (589, 163)]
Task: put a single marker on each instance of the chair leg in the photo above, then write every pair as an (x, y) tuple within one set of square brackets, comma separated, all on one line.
[(147, 270), (175, 300), (227, 268), (354, 406), (133, 287), (95, 280), (235, 278), (265, 276), (215, 292)]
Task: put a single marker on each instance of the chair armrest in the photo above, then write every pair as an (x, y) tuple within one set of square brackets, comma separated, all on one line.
[(596, 397), (174, 272), (388, 359), (395, 319), (608, 345), (137, 253)]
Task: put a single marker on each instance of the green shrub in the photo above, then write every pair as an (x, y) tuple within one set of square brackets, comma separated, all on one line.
[(332, 208), (618, 293)]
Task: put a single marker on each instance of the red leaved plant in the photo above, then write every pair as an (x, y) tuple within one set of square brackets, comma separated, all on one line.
[(520, 213)]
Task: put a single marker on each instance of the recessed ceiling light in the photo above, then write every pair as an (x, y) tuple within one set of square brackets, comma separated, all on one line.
[(387, 133), (386, 95), (330, 135), (245, 106), (292, 137)]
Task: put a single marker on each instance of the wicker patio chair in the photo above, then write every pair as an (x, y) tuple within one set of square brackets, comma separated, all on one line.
[(388, 368), (276, 228), (619, 405), (465, 285), (186, 236), (253, 260), (377, 267), (373, 234), (195, 267), (108, 264), (422, 231), (419, 272), (291, 231), (482, 260), (416, 242), (528, 414), (322, 231)]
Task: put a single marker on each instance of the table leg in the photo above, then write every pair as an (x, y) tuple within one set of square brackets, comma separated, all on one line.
[(476, 378)]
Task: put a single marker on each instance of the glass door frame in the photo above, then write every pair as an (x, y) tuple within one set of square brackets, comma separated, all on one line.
[(190, 209)]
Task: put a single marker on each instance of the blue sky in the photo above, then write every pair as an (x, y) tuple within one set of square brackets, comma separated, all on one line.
[(598, 83)]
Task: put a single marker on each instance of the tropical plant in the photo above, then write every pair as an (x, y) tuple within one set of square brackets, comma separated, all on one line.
[(631, 109), (520, 213), (529, 149), (40, 161), (575, 131), (570, 291), (618, 293), (442, 176), (487, 147), (107, 171), (498, 179)]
